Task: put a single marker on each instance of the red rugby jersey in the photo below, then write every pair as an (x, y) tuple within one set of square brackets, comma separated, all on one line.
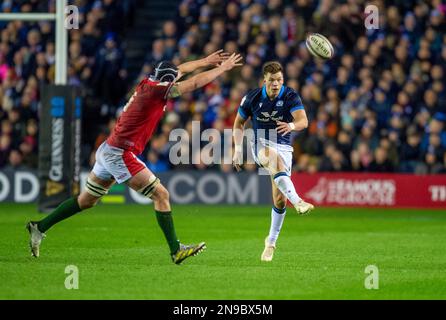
[(140, 116)]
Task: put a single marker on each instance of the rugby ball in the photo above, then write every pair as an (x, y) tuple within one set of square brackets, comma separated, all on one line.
[(319, 46)]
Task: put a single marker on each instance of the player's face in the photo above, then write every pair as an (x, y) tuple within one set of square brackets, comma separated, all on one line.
[(273, 83)]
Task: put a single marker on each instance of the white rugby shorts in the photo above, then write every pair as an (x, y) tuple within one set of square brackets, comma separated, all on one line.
[(112, 162), (285, 153)]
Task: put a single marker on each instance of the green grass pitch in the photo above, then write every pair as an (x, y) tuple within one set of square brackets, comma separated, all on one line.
[(121, 254)]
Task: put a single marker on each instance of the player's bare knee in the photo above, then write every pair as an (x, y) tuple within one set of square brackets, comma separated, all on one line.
[(88, 205), (161, 199), (86, 201), (269, 159), (263, 157), (161, 194), (93, 192)]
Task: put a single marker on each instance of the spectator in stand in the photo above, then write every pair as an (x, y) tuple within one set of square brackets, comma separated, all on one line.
[(109, 72), (430, 165), (157, 54), (361, 157), (381, 163), (15, 161), (5, 148), (155, 164), (333, 160)]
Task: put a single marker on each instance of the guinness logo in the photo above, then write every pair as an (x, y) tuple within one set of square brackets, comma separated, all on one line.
[(53, 188), (75, 188)]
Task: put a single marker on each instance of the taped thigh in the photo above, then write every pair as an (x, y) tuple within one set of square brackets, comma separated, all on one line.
[(95, 189), (149, 189)]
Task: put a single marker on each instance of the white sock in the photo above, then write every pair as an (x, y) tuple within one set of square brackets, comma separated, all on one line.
[(285, 185), (277, 217)]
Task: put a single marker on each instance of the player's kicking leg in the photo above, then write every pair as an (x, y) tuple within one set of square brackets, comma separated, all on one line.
[(150, 186), (95, 189), (269, 158)]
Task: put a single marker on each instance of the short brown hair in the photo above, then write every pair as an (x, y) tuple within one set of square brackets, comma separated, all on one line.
[(272, 67)]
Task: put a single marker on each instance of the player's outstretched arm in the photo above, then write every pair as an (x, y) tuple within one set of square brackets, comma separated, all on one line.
[(202, 79), (214, 59), (300, 122), (237, 135)]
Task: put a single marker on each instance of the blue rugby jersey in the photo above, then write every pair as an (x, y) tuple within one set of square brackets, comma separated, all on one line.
[(265, 112)]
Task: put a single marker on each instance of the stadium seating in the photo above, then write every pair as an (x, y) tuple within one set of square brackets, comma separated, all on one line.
[(378, 106)]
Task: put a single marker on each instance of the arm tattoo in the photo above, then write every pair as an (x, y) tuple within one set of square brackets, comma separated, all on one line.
[(174, 91)]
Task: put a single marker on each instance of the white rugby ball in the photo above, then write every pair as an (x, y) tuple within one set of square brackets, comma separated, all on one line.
[(319, 46)]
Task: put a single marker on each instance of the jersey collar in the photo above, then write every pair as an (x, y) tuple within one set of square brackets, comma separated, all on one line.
[(265, 96)]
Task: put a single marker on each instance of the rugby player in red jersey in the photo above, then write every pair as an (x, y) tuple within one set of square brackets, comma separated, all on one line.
[(116, 159)]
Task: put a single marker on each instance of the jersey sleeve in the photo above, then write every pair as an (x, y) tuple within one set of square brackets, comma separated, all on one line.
[(244, 109), (156, 90), (162, 89), (295, 103)]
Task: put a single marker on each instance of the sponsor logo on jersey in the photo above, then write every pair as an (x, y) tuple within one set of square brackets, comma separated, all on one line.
[(279, 103), (269, 116)]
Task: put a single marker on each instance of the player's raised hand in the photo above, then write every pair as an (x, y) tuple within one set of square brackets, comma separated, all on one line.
[(283, 128), (216, 58), (237, 159), (231, 62)]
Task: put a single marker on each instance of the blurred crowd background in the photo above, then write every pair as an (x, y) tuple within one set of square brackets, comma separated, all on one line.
[(378, 106)]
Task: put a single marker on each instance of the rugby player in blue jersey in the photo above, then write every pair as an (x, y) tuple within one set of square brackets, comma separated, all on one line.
[(275, 111)]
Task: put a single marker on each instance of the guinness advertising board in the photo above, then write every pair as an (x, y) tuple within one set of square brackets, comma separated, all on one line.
[(59, 145)]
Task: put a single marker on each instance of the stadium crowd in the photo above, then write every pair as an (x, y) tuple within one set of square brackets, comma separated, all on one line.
[(96, 63), (378, 106)]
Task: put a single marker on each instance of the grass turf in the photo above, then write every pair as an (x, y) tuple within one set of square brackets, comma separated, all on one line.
[(121, 254)]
